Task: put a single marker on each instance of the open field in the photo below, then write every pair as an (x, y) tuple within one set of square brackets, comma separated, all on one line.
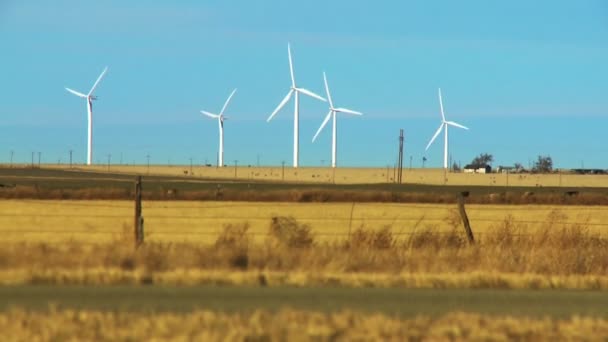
[(54, 221), (345, 175), (33, 183), (217, 270), (291, 325), (288, 252)]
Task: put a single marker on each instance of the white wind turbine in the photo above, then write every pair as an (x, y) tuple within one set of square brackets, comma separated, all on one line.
[(89, 97), (220, 120), (332, 114), (294, 90), (444, 125)]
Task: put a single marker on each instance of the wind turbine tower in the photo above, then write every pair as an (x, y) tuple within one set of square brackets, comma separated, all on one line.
[(444, 125), (90, 98), (332, 115), (294, 90), (220, 120)]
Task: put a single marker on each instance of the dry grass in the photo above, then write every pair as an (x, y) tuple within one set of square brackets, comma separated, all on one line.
[(556, 255), (287, 325), (201, 222), (234, 277)]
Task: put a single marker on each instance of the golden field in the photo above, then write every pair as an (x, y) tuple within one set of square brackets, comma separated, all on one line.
[(346, 175), (55, 221), (289, 325), (555, 255)]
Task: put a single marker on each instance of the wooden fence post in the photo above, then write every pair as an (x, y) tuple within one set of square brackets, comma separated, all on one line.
[(138, 225), (465, 218)]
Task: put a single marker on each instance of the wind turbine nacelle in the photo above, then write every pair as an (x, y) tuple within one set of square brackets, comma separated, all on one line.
[(93, 97)]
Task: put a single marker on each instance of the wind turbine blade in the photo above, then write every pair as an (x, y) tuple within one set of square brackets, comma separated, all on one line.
[(441, 106), (348, 111), (281, 105), (293, 78), (311, 94), (211, 115), (98, 79), (322, 125), (331, 104), (79, 94), (452, 123), (227, 101), (434, 136)]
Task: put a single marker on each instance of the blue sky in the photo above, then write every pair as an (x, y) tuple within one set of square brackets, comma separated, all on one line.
[(527, 78)]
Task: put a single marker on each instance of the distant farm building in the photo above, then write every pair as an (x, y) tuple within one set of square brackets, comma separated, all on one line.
[(589, 171), (477, 169)]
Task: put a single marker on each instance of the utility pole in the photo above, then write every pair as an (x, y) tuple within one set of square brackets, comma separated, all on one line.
[(400, 162), (411, 157), (12, 153), (387, 170), (235, 163), (39, 154), (109, 159), (32, 160), (70, 159), (395, 173), (191, 166), (283, 170), (138, 226), (148, 158)]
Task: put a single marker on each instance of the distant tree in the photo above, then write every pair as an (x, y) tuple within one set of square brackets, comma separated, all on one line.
[(518, 167), (482, 160), (455, 167), (544, 164)]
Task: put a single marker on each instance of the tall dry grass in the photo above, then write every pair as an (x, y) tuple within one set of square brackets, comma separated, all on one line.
[(556, 250), (290, 325)]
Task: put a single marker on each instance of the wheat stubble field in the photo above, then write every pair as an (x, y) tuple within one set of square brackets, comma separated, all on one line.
[(294, 260), (57, 221)]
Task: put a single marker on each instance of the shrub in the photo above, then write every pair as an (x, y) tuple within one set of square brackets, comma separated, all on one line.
[(287, 232), (233, 243), (374, 239), (233, 236), (431, 237), (154, 256), (503, 234)]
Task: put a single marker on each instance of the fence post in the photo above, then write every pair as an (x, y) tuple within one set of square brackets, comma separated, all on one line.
[(138, 225), (465, 218), (350, 221)]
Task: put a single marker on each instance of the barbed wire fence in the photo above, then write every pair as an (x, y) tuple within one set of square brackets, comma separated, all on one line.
[(79, 222)]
